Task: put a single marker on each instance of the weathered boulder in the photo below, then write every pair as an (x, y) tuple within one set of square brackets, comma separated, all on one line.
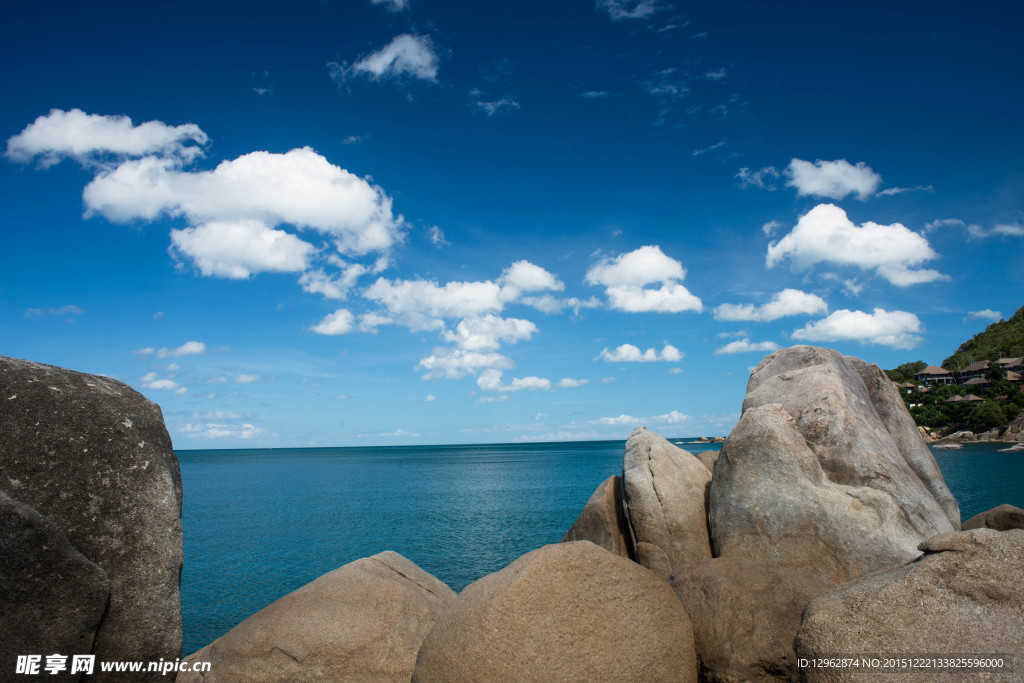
[(1000, 518), (745, 616), (364, 621), (1015, 430), (564, 612), (93, 456), (964, 597), (602, 521), (825, 472), (709, 458), (665, 500), (51, 597)]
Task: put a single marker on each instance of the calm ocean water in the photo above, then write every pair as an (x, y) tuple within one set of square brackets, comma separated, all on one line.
[(260, 523)]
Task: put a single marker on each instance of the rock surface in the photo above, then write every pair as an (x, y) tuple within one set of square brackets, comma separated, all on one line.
[(825, 471), (93, 456), (564, 612), (745, 616), (965, 596), (1015, 430), (1000, 518), (602, 521), (665, 501), (362, 622), (51, 597)]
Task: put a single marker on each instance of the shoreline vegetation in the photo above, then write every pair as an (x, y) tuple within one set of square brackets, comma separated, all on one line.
[(976, 394), (823, 525)]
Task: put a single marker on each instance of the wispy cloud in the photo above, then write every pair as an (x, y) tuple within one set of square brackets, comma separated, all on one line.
[(710, 148), (505, 104), (62, 311), (619, 10), (407, 56)]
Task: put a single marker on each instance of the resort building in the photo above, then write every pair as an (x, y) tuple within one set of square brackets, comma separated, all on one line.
[(934, 375)]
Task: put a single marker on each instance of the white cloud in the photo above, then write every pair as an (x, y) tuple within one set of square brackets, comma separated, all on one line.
[(625, 278), (457, 363), (190, 348), (422, 304), (299, 187), (627, 353), (505, 104), (986, 314), (832, 179), (392, 5), (785, 303), (1008, 230), (369, 322), (770, 227), (825, 234), (222, 431), (490, 380), (975, 231), (744, 346), (339, 322), (629, 9), (237, 249), (437, 236), (716, 75), (89, 138), (891, 191), (710, 148), (406, 56), (485, 333), (897, 329), (319, 282), (674, 417), (151, 382), (551, 304), (430, 398), (247, 379), (570, 383), (63, 310), (763, 179)]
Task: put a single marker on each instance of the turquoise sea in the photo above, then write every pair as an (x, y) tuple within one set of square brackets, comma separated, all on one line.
[(260, 523)]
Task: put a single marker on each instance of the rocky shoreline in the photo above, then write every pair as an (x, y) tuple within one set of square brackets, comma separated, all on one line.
[(822, 528)]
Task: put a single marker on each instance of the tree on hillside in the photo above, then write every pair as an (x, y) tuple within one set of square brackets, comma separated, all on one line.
[(1002, 339)]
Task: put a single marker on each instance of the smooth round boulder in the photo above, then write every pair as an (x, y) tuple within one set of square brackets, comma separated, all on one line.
[(361, 622), (964, 598), (1001, 518), (603, 521), (565, 612)]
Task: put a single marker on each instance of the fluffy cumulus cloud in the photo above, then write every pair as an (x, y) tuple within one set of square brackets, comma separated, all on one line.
[(237, 249), (826, 235), (406, 56), (89, 138), (153, 382), (629, 9), (490, 380), (208, 430), (671, 418), (832, 179), (785, 303), (898, 329), (299, 187), (986, 314), (339, 322), (745, 346), (486, 333), (452, 363), (423, 304), (626, 279), (627, 353)]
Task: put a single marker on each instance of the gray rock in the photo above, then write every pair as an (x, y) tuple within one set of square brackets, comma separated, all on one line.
[(364, 621), (745, 616), (93, 456), (964, 597), (564, 612), (1000, 518), (602, 521), (709, 458), (1015, 430), (823, 473), (665, 501), (51, 597)]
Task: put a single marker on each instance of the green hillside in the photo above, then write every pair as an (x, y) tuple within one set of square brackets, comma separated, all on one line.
[(1004, 339)]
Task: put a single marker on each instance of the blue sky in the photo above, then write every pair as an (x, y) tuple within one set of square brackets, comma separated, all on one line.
[(398, 222)]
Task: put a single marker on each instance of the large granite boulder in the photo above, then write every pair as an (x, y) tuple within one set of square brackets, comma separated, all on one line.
[(1015, 430), (602, 521), (664, 492), (93, 457), (963, 597), (362, 622), (745, 616), (51, 597), (1001, 518), (564, 612), (825, 472)]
